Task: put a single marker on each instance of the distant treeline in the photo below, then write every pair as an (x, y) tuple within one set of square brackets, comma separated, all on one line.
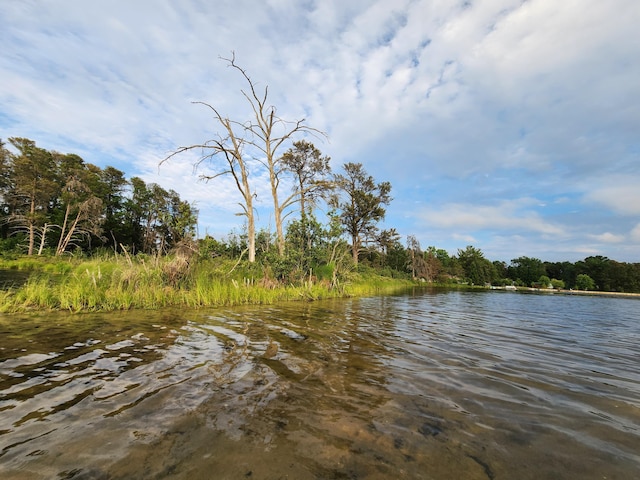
[(469, 265)]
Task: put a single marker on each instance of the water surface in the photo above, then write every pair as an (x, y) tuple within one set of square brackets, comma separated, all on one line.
[(433, 385)]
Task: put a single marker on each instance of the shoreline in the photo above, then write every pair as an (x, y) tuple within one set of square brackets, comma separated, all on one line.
[(598, 293), (570, 292)]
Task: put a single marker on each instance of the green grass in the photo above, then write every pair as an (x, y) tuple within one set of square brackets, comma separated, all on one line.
[(122, 283)]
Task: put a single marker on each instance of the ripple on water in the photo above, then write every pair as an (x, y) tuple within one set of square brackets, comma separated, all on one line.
[(431, 385)]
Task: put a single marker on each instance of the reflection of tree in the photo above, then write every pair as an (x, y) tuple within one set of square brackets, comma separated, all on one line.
[(330, 359), (329, 410), (235, 355)]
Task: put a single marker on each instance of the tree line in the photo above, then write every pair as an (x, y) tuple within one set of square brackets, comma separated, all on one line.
[(470, 266), (57, 203)]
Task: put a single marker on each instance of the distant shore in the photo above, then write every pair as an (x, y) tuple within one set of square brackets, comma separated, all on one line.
[(602, 294), (569, 292)]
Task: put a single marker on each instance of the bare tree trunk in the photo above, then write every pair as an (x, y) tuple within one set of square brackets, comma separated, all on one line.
[(303, 208), (251, 232), (257, 133), (251, 222), (277, 212), (32, 238), (42, 238), (270, 133), (64, 242), (64, 228), (235, 160), (32, 227)]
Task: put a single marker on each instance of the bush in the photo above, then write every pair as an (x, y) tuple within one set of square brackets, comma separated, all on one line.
[(544, 281), (585, 282)]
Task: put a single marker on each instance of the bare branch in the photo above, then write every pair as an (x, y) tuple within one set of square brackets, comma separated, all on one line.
[(265, 133)]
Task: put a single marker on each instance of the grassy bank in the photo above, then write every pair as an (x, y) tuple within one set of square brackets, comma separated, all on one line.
[(122, 283)]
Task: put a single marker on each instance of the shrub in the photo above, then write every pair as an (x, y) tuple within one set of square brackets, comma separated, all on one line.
[(544, 281), (584, 282)]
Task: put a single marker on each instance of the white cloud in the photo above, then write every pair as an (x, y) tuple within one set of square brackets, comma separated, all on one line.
[(608, 237), (620, 193), (506, 215), (465, 239)]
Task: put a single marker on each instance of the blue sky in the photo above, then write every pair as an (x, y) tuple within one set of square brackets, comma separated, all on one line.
[(509, 125)]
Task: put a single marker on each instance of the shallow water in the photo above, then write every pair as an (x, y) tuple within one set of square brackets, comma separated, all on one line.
[(433, 385)]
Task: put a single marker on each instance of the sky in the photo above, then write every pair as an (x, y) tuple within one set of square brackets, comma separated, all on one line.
[(509, 125)]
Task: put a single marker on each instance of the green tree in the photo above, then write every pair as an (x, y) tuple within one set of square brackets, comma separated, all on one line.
[(526, 269), (310, 170), (450, 265), (136, 207), (80, 207), (157, 219), (501, 268), (625, 276), (32, 188), (5, 169), (154, 217), (631, 276), (477, 269), (584, 282), (599, 269), (111, 190), (385, 242), (183, 220), (361, 203), (544, 281), (306, 244), (5, 183), (397, 256), (565, 271), (339, 261)]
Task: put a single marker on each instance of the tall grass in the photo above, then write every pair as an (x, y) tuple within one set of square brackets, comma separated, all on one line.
[(123, 283)]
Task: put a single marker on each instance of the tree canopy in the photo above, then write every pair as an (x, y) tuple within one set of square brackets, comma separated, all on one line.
[(57, 202), (361, 202)]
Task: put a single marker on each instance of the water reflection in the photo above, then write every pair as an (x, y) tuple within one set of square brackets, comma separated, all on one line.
[(429, 385)]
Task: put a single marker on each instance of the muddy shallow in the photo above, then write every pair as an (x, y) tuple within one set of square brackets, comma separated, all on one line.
[(474, 385)]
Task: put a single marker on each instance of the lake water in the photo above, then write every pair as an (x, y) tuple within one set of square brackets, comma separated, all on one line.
[(427, 385)]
